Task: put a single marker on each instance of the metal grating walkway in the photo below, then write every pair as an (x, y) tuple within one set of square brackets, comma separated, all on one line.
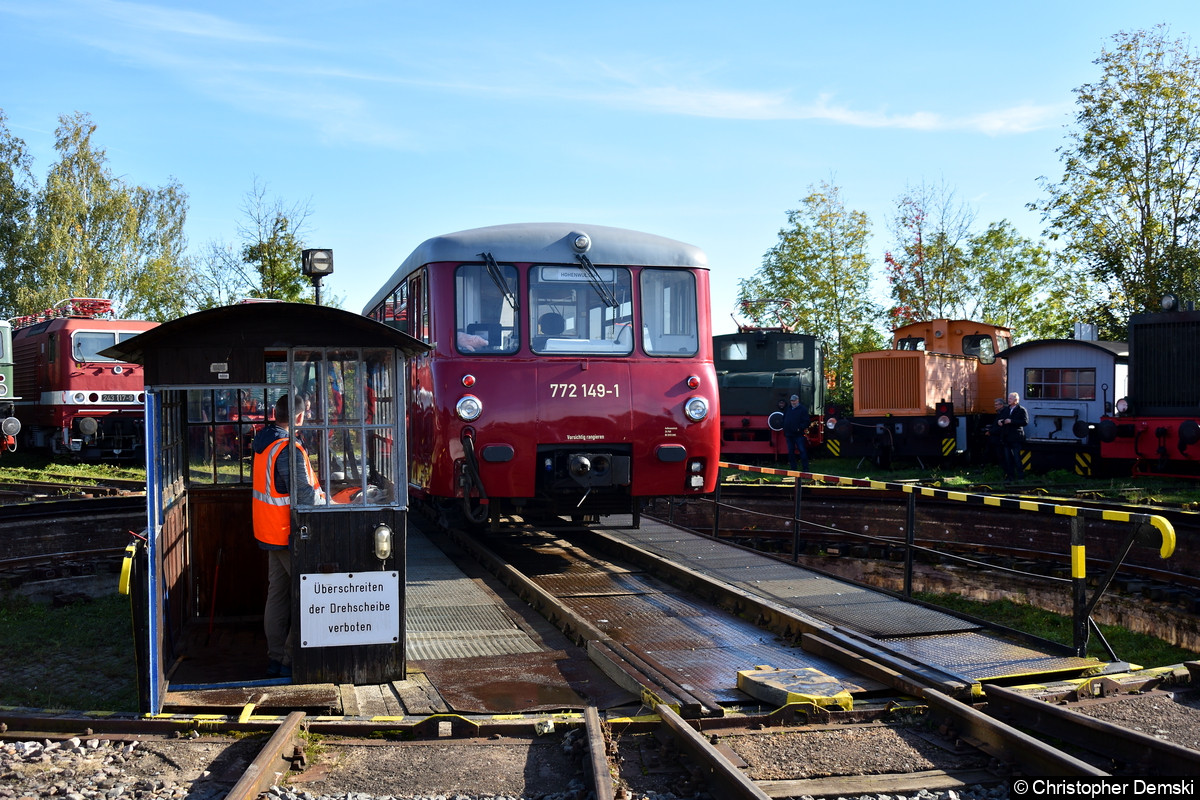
[(922, 635), (448, 615)]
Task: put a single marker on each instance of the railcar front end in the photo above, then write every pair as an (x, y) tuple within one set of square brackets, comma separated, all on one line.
[(571, 370)]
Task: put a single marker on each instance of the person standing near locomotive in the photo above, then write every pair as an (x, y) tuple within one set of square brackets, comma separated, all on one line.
[(272, 507), (1012, 421), (795, 423)]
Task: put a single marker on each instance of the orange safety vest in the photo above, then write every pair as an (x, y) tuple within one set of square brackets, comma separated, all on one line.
[(273, 510)]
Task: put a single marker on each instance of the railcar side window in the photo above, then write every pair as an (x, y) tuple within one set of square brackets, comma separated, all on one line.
[(577, 310), (669, 317), (485, 311)]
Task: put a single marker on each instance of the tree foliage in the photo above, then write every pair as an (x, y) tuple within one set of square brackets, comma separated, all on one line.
[(927, 271), (1128, 203), (942, 268), (86, 233), (265, 263), (819, 274)]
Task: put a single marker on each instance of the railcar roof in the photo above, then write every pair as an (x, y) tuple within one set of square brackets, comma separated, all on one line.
[(547, 242)]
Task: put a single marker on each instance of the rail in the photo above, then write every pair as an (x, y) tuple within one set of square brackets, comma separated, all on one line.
[(1142, 528)]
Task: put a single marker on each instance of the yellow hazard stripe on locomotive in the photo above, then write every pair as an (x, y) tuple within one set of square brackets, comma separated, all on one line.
[(834, 446), (1083, 464)]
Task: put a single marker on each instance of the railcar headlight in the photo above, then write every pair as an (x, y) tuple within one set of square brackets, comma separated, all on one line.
[(696, 408), (76, 398), (469, 408), (943, 421), (831, 423), (1122, 406)]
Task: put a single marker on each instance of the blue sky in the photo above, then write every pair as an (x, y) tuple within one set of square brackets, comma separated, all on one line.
[(705, 122)]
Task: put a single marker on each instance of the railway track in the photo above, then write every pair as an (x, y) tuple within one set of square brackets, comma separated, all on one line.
[(723, 753)]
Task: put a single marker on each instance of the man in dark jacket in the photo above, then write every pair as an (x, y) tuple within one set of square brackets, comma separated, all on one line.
[(795, 423), (1011, 422)]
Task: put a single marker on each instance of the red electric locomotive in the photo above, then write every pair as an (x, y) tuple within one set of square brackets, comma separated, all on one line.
[(571, 370), (74, 400)]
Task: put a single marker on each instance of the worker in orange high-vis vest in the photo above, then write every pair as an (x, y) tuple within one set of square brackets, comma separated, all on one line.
[(272, 509)]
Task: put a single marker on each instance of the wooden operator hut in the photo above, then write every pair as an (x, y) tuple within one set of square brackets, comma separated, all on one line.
[(199, 580)]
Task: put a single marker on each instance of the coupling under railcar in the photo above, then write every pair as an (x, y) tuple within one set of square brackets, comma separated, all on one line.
[(928, 398), (571, 369), (758, 370), (1155, 429), (74, 400)]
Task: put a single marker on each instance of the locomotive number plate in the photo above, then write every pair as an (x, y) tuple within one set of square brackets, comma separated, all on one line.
[(569, 390), (117, 398)]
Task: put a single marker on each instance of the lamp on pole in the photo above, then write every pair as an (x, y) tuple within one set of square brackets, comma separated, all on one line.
[(316, 264)]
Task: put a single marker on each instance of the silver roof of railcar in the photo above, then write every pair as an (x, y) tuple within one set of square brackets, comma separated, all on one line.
[(550, 243)]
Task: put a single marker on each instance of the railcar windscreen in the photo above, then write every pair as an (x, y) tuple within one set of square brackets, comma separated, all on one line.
[(572, 310), (485, 318), (669, 317)]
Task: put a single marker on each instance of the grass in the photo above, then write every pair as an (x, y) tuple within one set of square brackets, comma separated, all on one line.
[(23, 466), (78, 656), (1136, 648)]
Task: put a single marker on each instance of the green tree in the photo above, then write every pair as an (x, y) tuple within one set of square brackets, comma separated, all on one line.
[(88, 234), (820, 273), (1019, 284), (265, 263), (1128, 204), (17, 195), (927, 270)]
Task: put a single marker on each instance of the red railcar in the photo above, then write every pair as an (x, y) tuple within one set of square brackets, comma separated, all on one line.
[(571, 369), (72, 399)]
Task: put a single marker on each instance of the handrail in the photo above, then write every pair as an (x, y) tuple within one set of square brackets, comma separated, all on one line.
[(1161, 524)]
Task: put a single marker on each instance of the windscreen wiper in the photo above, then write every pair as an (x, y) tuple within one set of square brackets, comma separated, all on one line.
[(498, 278), (597, 282)]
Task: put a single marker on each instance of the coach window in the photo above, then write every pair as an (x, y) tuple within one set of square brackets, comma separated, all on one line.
[(485, 308), (669, 323)]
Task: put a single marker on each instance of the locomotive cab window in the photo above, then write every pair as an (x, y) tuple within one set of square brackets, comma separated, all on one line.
[(669, 324), (911, 343), (486, 309), (981, 346), (789, 350), (580, 310), (86, 345), (733, 351)]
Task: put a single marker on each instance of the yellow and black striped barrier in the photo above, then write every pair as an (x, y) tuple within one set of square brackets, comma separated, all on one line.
[(1165, 529)]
